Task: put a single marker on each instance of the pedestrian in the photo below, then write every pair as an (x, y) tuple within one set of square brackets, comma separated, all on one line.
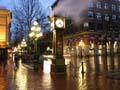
[(16, 60), (4, 58)]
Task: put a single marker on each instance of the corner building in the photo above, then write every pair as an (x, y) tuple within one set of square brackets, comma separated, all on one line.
[(98, 33)]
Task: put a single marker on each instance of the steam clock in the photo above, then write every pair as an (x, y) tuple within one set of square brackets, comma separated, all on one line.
[(58, 27)]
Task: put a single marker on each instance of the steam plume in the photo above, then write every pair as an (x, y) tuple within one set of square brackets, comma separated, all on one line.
[(73, 9)]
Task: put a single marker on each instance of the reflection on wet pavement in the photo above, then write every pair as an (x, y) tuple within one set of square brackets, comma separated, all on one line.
[(21, 76), (100, 73)]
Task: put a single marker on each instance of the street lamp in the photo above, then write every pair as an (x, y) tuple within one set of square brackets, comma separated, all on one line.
[(23, 44), (19, 49), (35, 33)]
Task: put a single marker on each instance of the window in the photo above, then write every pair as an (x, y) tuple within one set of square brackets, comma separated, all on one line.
[(107, 27), (98, 15), (118, 18), (99, 27), (119, 8), (98, 5), (90, 14), (114, 17), (113, 7), (106, 6), (107, 17), (90, 4), (116, 34), (116, 28), (91, 26)]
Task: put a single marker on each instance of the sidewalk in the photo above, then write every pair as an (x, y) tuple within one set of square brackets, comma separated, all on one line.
[(28, 65), (113, 75), (7, 76), (31, 65), (26, 78)]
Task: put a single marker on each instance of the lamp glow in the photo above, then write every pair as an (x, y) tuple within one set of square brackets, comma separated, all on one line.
[(31, 34)]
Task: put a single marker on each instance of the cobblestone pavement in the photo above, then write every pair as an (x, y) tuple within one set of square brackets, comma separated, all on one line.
[(91, 73)]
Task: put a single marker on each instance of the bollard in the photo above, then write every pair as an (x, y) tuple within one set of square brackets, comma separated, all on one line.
[(82, 68)]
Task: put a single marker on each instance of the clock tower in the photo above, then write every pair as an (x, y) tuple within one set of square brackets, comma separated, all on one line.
[(58, 27)]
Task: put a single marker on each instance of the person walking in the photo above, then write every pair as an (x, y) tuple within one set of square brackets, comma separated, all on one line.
[(16, 60)]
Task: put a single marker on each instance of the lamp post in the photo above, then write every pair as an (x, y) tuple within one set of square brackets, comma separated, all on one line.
[(23, 45), (35, 34), (18, 49), (81, 47)]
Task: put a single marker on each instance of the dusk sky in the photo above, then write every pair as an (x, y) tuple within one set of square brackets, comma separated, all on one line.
[(9, 3)]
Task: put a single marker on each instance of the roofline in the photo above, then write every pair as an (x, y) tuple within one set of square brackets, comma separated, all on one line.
[(4, 9), (81, 34), (54, 4)]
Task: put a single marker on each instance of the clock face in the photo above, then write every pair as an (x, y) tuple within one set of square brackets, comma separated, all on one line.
[(59, 23)]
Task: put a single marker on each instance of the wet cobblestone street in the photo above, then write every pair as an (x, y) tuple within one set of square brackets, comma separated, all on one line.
[(100, 73)]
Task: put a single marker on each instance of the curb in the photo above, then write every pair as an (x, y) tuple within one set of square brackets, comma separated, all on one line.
[(28, 66)]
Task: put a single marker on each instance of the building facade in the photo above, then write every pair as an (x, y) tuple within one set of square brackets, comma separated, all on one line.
[(99, 31), (5, 23)]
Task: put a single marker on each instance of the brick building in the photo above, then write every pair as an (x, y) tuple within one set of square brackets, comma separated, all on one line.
[(100, 28)]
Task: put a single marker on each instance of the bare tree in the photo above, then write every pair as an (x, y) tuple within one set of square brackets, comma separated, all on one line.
[(25, 12)]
